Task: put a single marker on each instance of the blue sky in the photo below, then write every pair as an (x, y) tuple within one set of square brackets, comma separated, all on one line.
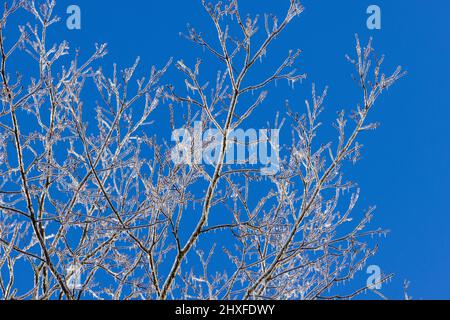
[(404, 169)]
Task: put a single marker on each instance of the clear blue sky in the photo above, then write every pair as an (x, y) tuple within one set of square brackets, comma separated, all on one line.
[(404, 170)]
